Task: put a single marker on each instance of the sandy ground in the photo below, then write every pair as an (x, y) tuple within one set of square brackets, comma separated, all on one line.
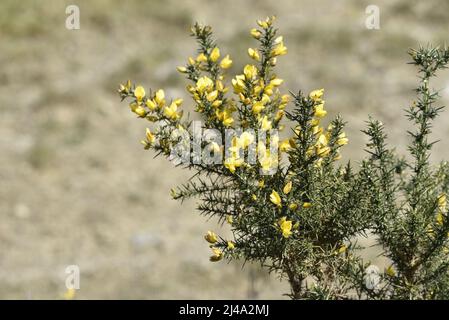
[(77, 188)]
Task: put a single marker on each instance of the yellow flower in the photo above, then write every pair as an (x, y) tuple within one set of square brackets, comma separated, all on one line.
[(279, 50), (267, 162), (254, 54), (204, 84), (140, 111), (150, 137), (285, 99), (170, 112), (254, 197), (217, 103), (322, 151), (212, 96), (181, 69), (139, 93), (266, 124), (275, 198), (250, 71), (160, 97), (257, 107), (151, 104), (231, 245), (293, 206), (217, 255), (342, 140), (276, 82), (133, 106), (267, 22), (342, 249), (261, 183), (288, 187), (211, 237), (256, 33), (390, 271), (306, 205), (229, 219), (316, 95), (246, 139), (285, 145), (268, 90), (322, 140), (262, 23), (286, 227), (227, 119), (233, 163), (124, 88), (215, 54), (238, 83), (191, 60), (226, 63), (201, 58), (319, 111)]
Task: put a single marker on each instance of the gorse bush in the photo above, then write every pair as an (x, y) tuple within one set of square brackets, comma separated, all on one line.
[(292, 205), (408, 198)]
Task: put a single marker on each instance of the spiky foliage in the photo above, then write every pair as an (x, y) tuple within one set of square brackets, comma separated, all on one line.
[(408, 197), (294, 211), (288, 202)]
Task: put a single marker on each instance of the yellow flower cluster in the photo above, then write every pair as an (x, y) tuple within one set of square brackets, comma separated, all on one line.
[(209, 93), (153, 108), (321, 148), (238, 143), (267, 160), (261, 108), (217, 253), (257, 93), (285, 226)]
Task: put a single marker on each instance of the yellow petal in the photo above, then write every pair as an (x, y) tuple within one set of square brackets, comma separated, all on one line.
[(215, 54), (316, 95), (288, 187), (159, 97), (275, 198), (211, 237), (254, 54), (226, 62), (139, 93)]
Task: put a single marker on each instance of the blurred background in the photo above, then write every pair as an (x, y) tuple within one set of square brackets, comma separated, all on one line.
[(77, 188)]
